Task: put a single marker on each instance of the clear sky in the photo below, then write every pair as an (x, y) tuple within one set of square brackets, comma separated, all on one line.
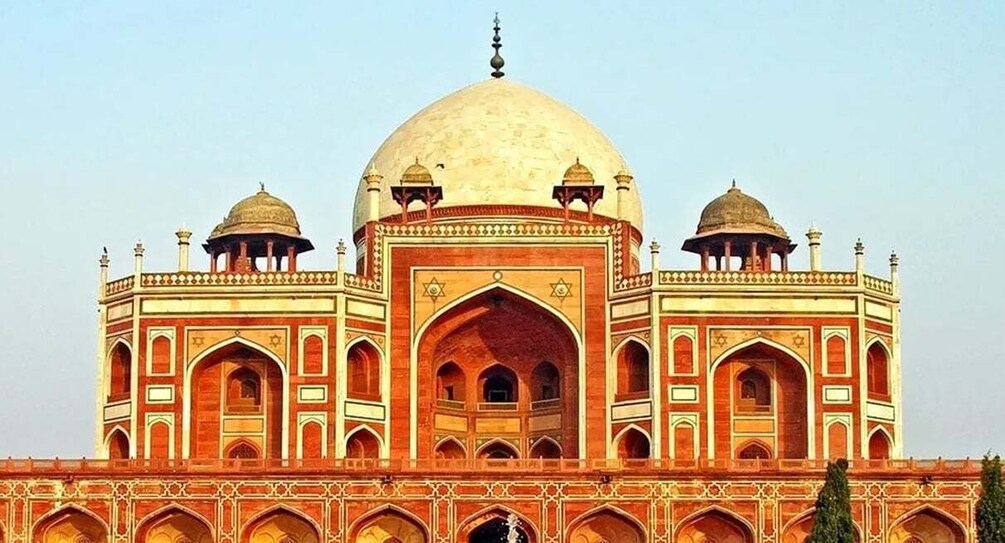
[(124, 120)]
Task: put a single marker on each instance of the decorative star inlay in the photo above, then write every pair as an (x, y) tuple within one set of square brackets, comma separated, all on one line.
[(561, 290), (275, 340), (798, 340), (198, 341), (720, 340), (433, 289)]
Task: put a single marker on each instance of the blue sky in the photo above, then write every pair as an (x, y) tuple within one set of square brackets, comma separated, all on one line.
[(885, 121)]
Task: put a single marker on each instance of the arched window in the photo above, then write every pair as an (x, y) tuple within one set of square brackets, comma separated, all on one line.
[(242, 450), (499, 385), (450, 450), (364, 372), (878, 371), (879, 446), (754, 451), (633, 370), (753, 391), (121, 378), (545, 383), (244, 391), (546, 449), (362, 444), (633, 445), (498, 451), (118, 445), (450, 383)]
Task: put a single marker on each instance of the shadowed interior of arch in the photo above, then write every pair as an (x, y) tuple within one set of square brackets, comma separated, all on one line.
[(70, 526), (388, 526), (173, 526), (281, 526), (606, 526)]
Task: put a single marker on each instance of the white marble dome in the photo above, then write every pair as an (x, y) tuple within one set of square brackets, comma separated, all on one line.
[(499, 143)]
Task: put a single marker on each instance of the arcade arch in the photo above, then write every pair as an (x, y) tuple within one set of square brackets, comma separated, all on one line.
[(607, 525), (714, 525), (70, 524), (281, 525), (927, 525), (173, 525), (388, 525)]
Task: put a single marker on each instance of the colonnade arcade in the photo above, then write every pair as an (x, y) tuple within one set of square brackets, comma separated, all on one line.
[(388, 524)]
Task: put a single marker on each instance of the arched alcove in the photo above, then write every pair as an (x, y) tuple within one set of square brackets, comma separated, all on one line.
[(498, 450), (118, 445), (715, 526), (493, 526), (502, 353), (633, 445), (388, 526), (927, 525), (880, 447), (760, 391), (173, 525), (362, 443), (363, 371), (120, 367), (633, 371), (236, 381), (546, 449), (752, 450), (281, 526), (878, 371), (450, 449), (606, 526), (70, 525)]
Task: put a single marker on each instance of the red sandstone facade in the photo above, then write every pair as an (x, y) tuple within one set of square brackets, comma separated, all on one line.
[(492, 358)]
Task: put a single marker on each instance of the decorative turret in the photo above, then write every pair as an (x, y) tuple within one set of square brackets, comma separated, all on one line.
[(578, 184), (624, 181), (259, 226), (737, 225), (417, 185)]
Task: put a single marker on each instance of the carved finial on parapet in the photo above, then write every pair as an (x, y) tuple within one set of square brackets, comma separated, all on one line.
[(138, 254), (340, 251), (654, 251), (894, 272), (859, 256), (814, 234), (184, 235)]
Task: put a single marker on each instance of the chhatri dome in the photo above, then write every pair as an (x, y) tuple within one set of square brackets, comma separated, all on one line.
[(260, 213), (498, 143), (736, 212)]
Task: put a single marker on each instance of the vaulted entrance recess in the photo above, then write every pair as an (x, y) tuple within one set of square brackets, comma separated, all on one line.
[(506, 381)]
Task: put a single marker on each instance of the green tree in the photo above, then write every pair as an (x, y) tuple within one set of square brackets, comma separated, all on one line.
[(832, 519), (991, 505)]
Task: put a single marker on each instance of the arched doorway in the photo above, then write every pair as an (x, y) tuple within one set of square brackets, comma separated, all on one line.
[(633, 445), (118, 445), (388, 526), (799, 529), (927, 525), (607, 526), (173, 526), (495, 527), (237, 383), (879, 445), (281, 526), (362, 444), (70, 525), (498, 359), (714, 526), (761, 393)]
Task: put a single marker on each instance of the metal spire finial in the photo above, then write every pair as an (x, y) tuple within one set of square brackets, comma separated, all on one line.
[(497, 61)]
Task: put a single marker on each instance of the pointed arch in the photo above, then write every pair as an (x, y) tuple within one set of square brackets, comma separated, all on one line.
[(688, 529), (878, 360), (182, 520), (98, 530), (363, 442), (582, 529), (497, 449), (633, 363), (208, 354), (117, 442), (358, 528), (546, 382), (450, 448), (283, 518), (490, 514), (807, 371), (364, 374), (242, 449), (451, 385), (546, 448), (754, 449), (574, 333), (498, 383), (929, 523), (880, 450), (633, 443), (120, 370), (798, 528)]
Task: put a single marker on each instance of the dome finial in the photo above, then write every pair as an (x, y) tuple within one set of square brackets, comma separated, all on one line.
[(497, 61)]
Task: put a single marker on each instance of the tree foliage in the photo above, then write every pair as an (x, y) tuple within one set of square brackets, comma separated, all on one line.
[(832, 519), (991, 505)]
